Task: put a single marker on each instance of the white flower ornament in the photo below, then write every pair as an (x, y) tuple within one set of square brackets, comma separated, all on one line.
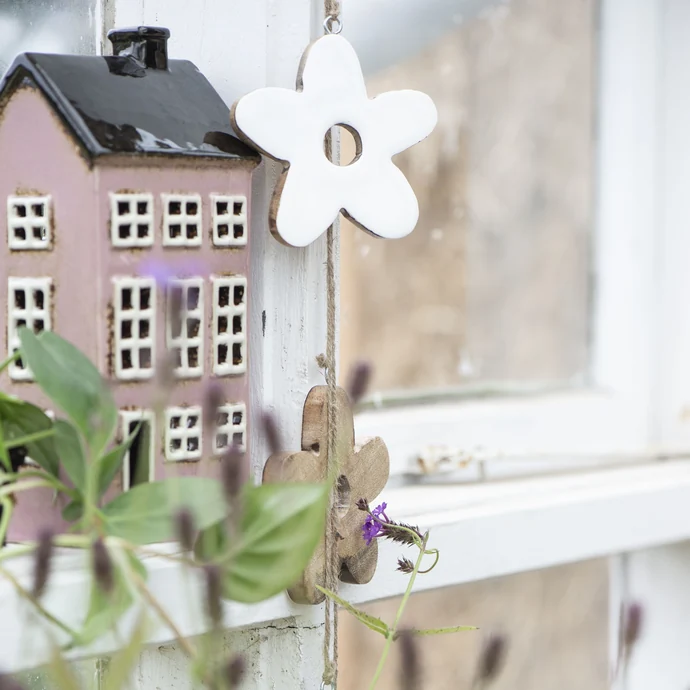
[(291, 126)]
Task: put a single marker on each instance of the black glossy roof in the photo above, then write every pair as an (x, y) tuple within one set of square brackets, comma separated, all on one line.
[(116, 104)]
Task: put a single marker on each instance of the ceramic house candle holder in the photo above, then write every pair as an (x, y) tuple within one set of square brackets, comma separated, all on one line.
[(115, 170)]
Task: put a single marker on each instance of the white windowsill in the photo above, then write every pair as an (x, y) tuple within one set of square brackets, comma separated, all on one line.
[(484, 530)]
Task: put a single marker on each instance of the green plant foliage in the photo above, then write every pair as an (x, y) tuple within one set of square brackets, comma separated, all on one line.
[(110, 464), (281, 526), (439, 631), (373, 623), (144, 514), (20, 419), (73, 383), (71, 453)]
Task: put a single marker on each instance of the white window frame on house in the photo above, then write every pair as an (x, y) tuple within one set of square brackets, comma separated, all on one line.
[(182, 426), (135, 314), (128, 418), (229, 220), (623, 503), (231, 423), (180, 342), (184, 219), (36, 222), (131, 227), (225, 317), (32, 315)]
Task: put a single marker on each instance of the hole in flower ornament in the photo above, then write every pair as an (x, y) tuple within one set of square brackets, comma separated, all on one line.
[(350, 145), (290, 125)]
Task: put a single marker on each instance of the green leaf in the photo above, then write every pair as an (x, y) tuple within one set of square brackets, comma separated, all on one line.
[(373, 623), (73, 383), (73, 511), (109, 464), (71, 453), (144, 514), (281, 526), (19, 419), (440, 631), (61, 673)]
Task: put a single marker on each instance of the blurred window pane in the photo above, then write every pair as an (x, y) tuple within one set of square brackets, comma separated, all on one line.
[(494, 282), (46, 26)]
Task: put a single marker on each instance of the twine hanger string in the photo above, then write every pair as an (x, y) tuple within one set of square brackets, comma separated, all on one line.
[(332, 25)]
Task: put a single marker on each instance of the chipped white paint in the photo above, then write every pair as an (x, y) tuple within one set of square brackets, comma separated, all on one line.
[(131, 220), (182, 220), (229, 325), (28, 304), (29, 222), (229, 220), (135, 327), (185, 329), (291, 126), (183, 433)]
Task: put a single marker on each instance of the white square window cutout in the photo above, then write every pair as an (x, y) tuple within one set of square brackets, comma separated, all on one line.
[(183, 434), (185, 326), (134, 305), (229, 220), (182, 222), (229, 325), (131, 220), (231, 428), (28, 304), (139, 462), (29, 222)]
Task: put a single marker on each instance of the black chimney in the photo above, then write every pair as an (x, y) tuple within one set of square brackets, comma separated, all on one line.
[(147, 44)]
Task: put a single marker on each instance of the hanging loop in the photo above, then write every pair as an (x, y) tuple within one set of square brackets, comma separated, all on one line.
[(332, 24)]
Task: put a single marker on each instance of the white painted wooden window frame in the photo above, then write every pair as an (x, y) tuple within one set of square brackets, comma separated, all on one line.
[(631, 415)]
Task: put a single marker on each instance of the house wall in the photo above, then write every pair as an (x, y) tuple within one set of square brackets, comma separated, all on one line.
[(38, 156), (160, 176)]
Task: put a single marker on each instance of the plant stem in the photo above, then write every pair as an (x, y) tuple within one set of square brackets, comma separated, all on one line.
[(39, 607), (398, 616), (24, 486), (30, 438), (431, 567), (9, 361)]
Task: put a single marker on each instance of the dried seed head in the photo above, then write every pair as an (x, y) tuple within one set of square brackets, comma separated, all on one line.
[(9, 683), (213, 399), (234, 671), (43, 561), (410, 671), (214, 588), (358, 381), (492, 658), (234, 472), (633, 621), (393, 532), (102, 566), (405, 565), (270, 428), (363, 504), (184, 527)]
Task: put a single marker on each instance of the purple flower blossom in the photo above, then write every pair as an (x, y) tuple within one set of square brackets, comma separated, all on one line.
[(372, 527), (163, 272)]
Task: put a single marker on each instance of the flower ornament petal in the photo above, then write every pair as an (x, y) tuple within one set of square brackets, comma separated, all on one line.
[(291, 126)]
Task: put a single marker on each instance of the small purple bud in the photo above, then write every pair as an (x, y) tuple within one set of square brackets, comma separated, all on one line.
[(9, 683), (234, 671), (492, 658), (214, 589), (234, 472), (43, 561), (184, 527), (102, 566), (165, 371), (410, 671), (213, 399), (633, 622), (270, 428), (363, 504), (405, 565), (358, 381)]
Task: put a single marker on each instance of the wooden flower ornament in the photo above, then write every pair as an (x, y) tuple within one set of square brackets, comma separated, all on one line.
[(363, 474), (291, 126)]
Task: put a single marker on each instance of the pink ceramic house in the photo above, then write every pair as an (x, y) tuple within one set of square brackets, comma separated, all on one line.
[(114, 170)]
